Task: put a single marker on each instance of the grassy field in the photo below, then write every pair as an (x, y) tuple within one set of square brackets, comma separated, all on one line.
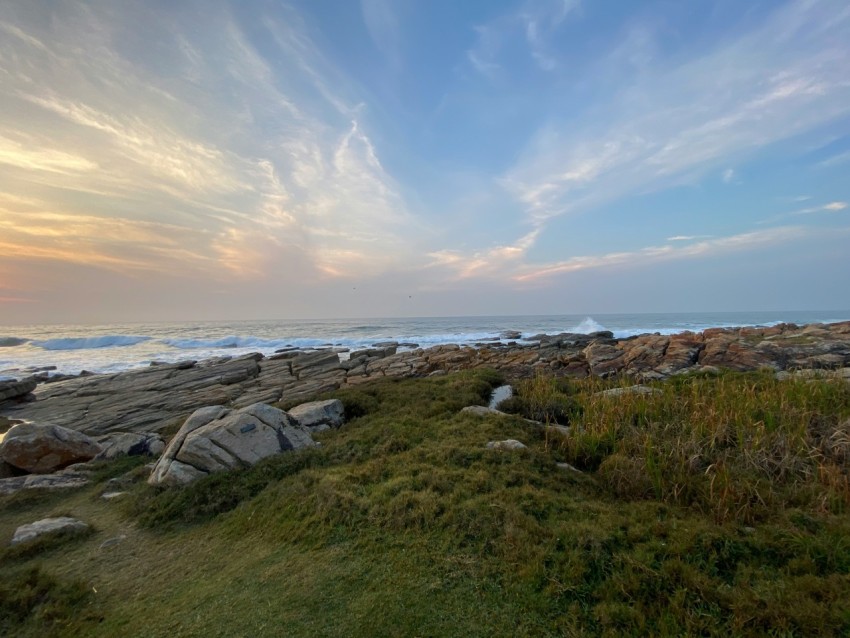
[(716, 506)]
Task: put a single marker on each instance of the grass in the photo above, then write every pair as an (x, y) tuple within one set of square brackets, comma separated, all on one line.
[(403, 524)]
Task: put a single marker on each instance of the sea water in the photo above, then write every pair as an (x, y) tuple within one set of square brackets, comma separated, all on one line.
[(115, 347)]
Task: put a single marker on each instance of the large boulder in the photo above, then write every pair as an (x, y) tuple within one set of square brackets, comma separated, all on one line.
[(41, 449), (130, 444), (317, 416), (215, 439), (32, 531)]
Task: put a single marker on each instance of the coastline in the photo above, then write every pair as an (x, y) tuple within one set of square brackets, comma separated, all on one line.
[(150, 399)]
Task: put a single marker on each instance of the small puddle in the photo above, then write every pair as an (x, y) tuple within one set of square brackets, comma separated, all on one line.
[(502, 393)]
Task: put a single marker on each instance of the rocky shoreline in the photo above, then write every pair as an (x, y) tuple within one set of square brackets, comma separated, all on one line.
[(159, 397)]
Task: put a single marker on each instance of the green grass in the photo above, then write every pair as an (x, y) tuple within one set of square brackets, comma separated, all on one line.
[(403, 524)]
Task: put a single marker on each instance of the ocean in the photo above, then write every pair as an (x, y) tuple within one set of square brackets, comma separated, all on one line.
[(115, 347)]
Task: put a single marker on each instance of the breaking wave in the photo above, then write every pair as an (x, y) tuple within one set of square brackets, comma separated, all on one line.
[(88, 343), (587, 326)]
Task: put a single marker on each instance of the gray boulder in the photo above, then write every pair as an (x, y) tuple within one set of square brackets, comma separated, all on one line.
[(215, 439), (42, 449), (130, 444), (317, 416), (47, 526)]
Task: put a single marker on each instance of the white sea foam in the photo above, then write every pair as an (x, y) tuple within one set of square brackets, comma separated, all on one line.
[(587, 326), (114, 347)]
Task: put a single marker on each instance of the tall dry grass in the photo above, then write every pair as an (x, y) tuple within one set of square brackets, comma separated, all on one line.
[(735, 445)]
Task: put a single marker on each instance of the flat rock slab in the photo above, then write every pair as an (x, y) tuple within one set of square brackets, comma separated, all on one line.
[(32, 531), (42, 482)]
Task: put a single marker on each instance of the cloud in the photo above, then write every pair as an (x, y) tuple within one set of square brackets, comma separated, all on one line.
[(832, 207), (707, 248), (728, 176), (212, 160), (510, 262), (835, 206), (675, 121), (835, 160), (687, 237), (534, 23), (383, 25)]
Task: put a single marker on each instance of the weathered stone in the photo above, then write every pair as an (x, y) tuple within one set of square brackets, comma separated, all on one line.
[(12, 390), (26, 533), (482, 410), (509, 444), (216, 439), (319, 415), (130, 444), (45, 448), (604, 359)]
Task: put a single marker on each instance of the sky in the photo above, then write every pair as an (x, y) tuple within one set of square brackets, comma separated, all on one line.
[(180, 160)]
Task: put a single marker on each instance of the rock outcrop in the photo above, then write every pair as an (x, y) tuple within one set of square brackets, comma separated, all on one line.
[(30, 532), (153, 399), (40, 449), (215, 439), (317, 416), (16, 390), (130, 444)]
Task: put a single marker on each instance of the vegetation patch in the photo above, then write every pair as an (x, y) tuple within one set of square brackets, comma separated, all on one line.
[(403, 523)]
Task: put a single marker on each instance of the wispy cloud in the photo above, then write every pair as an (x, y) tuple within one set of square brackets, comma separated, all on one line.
[(534, 22), (687, 237), (510, 262), (707, 248), (832, 207), (168, 179), (675, 122), (835, 160), (382, 22)]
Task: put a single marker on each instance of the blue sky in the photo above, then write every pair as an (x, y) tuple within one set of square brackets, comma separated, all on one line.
[(214, 160)]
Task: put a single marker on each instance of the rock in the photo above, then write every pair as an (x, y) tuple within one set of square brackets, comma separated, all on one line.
[(604, 359), (632, 389), (215, 439), (510, 334), (130, 444), (385, 344), (12, 390), (319, 415), (8, 471), (568, 468), (482, 410), (509, 444), (45, 448), (42, 481), (32, 531)]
